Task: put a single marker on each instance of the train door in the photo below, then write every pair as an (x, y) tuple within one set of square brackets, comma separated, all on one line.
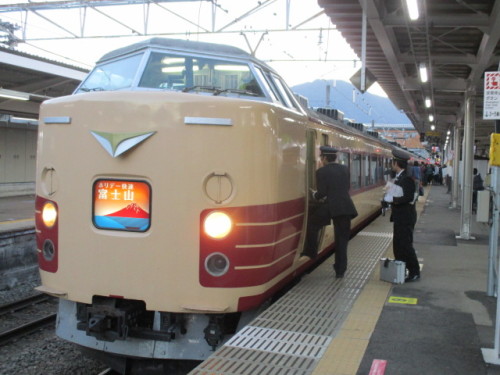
[(311, 167)]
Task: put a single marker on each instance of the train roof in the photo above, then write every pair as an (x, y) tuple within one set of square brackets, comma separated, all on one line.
[(179, 45)]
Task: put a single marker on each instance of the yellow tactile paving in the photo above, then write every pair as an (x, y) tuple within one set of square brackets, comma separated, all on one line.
[(342, 357), (347, 349)]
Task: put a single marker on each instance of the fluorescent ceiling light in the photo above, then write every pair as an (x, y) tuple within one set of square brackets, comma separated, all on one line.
[(431, 118), (176, 69), (428, 102), (433, 127), (423, 73), (412, 6), (10, 94)]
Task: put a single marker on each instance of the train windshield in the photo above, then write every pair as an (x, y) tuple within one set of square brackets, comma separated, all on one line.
[(165, 71), (115, 75), (189, 73)]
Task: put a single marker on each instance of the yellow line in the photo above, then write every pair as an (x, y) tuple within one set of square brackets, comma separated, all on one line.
[(16, 221)]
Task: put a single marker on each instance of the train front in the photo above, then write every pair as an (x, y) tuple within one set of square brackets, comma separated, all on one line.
[(132, 210)]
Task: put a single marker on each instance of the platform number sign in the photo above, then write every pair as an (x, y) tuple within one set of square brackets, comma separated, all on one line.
[(491, 109)]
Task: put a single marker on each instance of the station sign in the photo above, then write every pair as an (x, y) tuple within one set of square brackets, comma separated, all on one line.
[(491, 108)]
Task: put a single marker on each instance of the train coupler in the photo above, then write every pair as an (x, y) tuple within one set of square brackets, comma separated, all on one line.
[(214, 332)]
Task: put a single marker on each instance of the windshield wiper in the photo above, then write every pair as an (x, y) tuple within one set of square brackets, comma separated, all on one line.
[(236, 91), (86, 89), (208, 88)]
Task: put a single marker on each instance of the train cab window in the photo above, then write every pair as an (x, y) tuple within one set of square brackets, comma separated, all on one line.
[(112, 76), (356, 171)]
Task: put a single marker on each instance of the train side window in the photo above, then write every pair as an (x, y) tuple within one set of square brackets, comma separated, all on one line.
[(373, 169), (343, 158), (356, 171), (324, 139), (273, 89), (387, 169), (289, 95), (265, 81), (281, 91), (366, 170), (311, 159), (379, 175)]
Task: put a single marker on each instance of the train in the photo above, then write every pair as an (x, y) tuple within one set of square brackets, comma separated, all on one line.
[(172, 196)]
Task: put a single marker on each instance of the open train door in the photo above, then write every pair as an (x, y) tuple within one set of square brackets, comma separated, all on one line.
[(311, 166)]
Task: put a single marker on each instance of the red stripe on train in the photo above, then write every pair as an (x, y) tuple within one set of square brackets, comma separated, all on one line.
[(263, 241)]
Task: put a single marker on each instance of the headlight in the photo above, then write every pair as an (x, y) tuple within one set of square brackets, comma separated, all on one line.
[(217, 225), (49, 214), (217, 264)]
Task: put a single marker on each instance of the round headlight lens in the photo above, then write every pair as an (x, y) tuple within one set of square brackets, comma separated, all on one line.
[(49, 214), (218, 225), (217, 264)]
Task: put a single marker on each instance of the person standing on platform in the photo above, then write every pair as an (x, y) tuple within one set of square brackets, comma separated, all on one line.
[(333, 183), (477, 185), (403, 216)]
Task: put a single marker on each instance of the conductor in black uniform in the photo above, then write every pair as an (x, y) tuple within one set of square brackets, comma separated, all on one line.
[(333, 183), (403, 215)]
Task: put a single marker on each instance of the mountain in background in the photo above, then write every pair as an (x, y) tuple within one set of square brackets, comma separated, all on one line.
[(365, 108)]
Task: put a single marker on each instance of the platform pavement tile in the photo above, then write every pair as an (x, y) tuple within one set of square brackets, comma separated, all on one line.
[(342, 357)]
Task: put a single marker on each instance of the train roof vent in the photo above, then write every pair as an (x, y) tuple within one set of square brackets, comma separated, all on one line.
[(331, 112)]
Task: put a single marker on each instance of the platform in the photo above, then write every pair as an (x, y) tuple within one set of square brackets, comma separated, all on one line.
[(361, 325), (17, 213)]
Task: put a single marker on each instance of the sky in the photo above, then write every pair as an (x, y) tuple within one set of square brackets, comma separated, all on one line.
[(332, 57)]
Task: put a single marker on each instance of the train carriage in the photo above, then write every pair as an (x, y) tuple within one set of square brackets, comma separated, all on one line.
[(172, 196)]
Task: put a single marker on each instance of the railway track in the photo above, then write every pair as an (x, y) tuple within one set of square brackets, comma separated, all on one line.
[(23, 303), (26, 327)]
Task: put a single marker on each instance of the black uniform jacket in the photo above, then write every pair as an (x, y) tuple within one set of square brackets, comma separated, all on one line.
[(333, 182), (401, 206)]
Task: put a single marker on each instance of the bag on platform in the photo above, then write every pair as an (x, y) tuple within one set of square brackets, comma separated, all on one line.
[(392, 271)]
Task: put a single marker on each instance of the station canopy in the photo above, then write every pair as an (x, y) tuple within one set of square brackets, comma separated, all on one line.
[(455, 40), (26, 81)]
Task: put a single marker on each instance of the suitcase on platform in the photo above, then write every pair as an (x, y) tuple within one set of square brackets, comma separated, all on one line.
[(392, 270)]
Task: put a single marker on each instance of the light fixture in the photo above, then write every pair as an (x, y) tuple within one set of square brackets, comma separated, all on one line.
[(428, 102), (423, 72), (431, 118), (448, 132), (17, 95), (412, 6), (433, 127)]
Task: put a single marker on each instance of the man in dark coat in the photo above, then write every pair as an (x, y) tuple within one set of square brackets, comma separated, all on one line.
[(333, 183), (403, 215)]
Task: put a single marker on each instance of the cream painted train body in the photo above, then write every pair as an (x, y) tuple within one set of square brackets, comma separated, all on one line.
[(172, 196)]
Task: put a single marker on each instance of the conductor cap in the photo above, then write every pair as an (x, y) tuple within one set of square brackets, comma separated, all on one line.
[(400, 155), (327, 150)]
